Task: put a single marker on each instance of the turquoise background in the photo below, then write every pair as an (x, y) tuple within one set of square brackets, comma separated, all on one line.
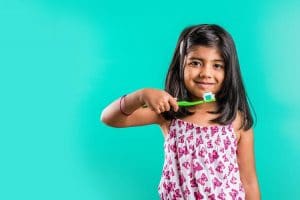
[(62, 62)]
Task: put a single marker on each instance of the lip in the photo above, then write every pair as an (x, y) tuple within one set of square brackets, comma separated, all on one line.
[(204, 85)]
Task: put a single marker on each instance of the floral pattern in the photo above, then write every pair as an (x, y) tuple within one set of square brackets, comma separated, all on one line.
[(200, 163)]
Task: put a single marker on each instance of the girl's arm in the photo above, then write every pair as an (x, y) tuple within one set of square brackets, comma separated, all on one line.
[(157, 101), (246, 161)]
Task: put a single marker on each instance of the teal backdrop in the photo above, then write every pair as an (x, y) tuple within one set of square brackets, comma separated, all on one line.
[(62, 62)]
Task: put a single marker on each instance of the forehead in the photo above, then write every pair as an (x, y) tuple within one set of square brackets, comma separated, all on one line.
[(204, 53)]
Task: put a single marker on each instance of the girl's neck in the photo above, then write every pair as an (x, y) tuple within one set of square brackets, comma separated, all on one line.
[(212, 106)]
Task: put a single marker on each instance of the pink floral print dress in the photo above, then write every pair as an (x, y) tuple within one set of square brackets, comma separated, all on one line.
[(200, 163)]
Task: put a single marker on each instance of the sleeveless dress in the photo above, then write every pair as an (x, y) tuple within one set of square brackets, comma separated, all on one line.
[(200, 163)]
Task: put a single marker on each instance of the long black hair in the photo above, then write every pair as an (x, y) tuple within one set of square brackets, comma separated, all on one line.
[(232, 96)]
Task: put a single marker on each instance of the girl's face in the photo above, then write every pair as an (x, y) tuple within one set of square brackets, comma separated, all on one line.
[(204, 71)]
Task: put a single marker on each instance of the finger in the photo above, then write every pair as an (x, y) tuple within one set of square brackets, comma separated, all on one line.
[(174, 104), (162, 109), (167, 106), (162, 106), (157, 110)]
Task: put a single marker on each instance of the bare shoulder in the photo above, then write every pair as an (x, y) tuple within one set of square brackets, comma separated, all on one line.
[(237, 124)]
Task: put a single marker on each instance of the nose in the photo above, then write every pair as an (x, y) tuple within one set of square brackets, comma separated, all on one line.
[(206, 72)]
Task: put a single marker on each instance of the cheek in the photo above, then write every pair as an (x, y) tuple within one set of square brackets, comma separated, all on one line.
[(188, 74), (188, 78), (185, 75), (221, 77)]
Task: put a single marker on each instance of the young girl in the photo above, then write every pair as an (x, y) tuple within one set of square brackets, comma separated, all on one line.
[(208, 147)]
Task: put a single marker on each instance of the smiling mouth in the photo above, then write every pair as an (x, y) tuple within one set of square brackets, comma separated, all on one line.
[(204, 85)]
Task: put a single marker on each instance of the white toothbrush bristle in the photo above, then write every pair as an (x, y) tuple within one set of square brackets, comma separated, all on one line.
[(208, 96)]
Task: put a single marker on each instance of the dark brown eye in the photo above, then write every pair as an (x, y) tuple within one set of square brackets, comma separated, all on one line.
[(218, 66), (195, 64)]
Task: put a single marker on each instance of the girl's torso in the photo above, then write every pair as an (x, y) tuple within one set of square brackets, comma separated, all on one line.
[(200, 161), (165, 125)]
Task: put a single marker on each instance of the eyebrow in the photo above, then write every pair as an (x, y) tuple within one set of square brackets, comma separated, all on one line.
[(201, 59)]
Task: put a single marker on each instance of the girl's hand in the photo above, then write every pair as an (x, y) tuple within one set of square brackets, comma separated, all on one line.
[(158, 100)]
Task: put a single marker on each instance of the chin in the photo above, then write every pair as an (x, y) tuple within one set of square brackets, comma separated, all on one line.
[(197, 97)]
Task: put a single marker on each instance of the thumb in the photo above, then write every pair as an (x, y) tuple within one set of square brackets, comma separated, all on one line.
[(173, 103)]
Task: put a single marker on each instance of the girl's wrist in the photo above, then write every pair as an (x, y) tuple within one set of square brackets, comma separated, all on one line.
[(129, 103), (122, 106)]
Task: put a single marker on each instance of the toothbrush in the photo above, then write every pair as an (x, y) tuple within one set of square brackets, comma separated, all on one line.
[(207, 98)]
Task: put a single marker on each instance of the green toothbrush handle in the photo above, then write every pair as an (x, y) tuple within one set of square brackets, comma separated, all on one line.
[(188, 103), (207, 97)]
